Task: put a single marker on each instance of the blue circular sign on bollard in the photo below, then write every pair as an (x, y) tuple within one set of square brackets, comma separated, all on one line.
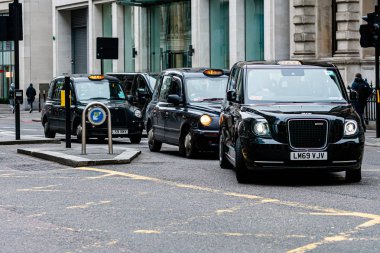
[(96, 116)]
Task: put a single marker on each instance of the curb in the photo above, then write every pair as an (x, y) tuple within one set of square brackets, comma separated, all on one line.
[(75, 161), (41, 141)]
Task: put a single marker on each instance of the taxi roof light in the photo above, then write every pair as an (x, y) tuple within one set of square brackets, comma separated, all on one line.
[(213, 72), (289, 63), (96, 77)]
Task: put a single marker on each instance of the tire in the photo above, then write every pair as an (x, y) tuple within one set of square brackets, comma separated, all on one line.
[(136, 139), (154, 145), (223, 161), (240, 168), (47, 130), (354, 176), (189, 144)]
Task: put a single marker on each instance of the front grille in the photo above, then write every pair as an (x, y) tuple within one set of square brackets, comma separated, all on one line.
[(307, 133), (118, 117)]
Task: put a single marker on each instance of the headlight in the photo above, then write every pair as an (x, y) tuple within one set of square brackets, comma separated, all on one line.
[(350, 127), (138, 114), (206, 120), (260, 128)]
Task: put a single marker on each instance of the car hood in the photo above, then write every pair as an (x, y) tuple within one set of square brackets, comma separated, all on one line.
[(209, 107), (285, 110)]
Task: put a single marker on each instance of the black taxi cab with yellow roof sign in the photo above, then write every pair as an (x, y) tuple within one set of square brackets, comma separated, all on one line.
[(185, 109), (289, 115), (126, 119)]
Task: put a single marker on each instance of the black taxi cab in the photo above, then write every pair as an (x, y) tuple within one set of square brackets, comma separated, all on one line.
[(290, 115), (185, 110), (126, 119)]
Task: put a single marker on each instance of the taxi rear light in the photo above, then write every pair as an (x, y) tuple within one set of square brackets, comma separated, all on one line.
[(96, 77), (213, 72)]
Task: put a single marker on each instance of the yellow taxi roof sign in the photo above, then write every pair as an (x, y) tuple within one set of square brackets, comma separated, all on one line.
[(213, 72), (96, 77)]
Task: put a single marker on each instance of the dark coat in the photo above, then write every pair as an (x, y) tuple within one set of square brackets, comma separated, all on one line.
[(31, 93), (364, 91)]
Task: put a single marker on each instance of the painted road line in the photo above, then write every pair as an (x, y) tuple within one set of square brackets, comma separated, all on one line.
[(371, 219)]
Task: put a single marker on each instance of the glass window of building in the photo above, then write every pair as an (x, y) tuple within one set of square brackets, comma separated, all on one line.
[(254, 29), (170, 35), (79, 40), (129, 45), (219, 33), (6, 66)]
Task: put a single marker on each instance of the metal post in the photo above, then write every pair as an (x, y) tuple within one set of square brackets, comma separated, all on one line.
[(17, 72), (377, 53), (68, 108)]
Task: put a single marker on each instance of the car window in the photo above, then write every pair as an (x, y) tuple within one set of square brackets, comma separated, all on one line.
[(206, 89), (294, 85), (59, 85), (95, 90), (232, 78), (51, 89), (239, 85), (152, 80), (165, 88)]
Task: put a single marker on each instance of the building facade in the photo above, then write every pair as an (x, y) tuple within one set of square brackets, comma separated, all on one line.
[(36, 58), (60, 35)]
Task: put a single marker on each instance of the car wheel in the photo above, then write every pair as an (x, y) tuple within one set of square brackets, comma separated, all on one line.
[(240, 167), (189, 144), (136, 139), (354, 176), (47, 130), (223, 162), (154, 145)]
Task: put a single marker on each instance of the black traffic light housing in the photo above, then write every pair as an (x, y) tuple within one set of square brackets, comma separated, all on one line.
[(370, 32)]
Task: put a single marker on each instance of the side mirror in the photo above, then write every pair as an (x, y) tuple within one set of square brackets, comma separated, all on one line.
[(231, 95), (130, 99), (354, 95), (174, 99)]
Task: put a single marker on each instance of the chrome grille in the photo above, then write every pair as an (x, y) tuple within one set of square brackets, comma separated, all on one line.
[(311, 133)]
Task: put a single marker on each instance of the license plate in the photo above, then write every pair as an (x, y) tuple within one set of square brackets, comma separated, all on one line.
[(308, 155), (117, 131)]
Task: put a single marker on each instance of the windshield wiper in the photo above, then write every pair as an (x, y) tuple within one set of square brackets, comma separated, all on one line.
[(210, 99), (96, 98)]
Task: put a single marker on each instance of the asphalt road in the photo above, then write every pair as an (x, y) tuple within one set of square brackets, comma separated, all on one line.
[(163, 202)]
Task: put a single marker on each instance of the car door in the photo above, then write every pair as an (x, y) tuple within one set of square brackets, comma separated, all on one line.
[(174, 112), (160, 109), (55, 120)]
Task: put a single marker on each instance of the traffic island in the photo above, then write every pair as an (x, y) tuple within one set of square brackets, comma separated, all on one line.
[(74, 158)]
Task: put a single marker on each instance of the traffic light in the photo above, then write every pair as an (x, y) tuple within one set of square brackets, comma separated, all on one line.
[(370, 32)]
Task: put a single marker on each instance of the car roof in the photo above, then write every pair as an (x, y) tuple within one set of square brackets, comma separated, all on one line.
[(189, 72), (285, 64), (84, 77)]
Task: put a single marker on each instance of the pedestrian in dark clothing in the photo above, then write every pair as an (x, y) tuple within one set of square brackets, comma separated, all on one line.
[(11, 97), (30, 94), (362, 88)]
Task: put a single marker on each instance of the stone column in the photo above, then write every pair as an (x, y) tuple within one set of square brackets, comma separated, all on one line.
[(237, 31), (141, 39), (200, 33), (304, 27), (118, 32), (347, 34)]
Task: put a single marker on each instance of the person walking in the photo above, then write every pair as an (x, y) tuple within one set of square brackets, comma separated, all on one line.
[(30, 94), (363, 90), (12, 97)]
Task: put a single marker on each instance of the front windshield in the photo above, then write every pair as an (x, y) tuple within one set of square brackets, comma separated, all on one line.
[(98, 90), (293, 85), (206, 89)]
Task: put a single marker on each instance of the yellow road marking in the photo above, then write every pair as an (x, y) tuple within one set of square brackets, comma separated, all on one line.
[(88, 204), (373, 219)]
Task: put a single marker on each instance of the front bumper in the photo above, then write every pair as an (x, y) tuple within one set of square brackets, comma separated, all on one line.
[(206, 140), (133, 129), (264, 154)]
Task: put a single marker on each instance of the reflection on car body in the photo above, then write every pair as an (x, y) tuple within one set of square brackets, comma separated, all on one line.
[(289, 115), (185, 109), (126, 119)]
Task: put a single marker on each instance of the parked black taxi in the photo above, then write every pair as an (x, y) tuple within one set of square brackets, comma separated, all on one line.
[(289, 115), (126, 119), (185, 109)]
